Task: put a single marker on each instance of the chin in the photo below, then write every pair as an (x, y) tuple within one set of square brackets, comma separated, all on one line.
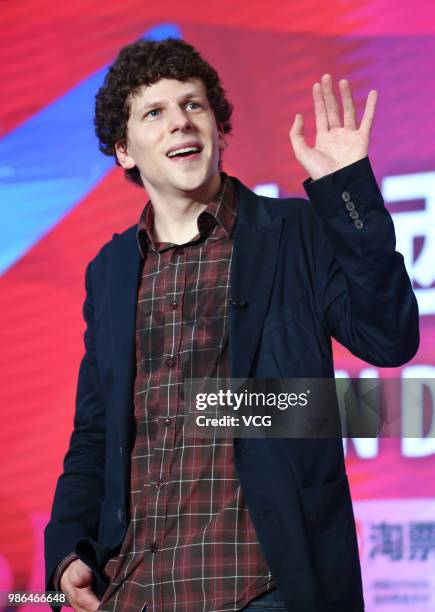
[(194, 182)]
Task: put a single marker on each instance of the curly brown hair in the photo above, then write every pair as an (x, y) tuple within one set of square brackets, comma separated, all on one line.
[(145, 62)]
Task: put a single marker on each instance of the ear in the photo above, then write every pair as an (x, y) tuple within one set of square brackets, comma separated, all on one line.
[(222, 139), (124, 158)]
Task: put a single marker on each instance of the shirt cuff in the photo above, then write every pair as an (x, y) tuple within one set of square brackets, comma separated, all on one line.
[(61, 568)]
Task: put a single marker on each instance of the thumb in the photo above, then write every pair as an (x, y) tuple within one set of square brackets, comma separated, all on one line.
[(87, 599), (297, 137)]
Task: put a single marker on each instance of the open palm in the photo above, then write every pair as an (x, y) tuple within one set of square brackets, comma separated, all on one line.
[(338, 142)]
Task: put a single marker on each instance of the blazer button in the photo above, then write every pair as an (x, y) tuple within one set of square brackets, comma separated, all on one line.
[(345, 196), (121, 515), (354, 214), (358, 224), (350, 205)]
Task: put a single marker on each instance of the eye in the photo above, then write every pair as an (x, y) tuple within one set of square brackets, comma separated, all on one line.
[(153, 113), (193, 105)]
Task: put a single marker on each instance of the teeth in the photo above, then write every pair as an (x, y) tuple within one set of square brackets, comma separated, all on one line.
[(184, 150)]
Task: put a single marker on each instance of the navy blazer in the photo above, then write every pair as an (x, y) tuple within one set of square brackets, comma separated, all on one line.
[(308, 271)]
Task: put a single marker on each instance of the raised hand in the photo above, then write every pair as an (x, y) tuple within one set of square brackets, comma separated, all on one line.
[(338, 142)]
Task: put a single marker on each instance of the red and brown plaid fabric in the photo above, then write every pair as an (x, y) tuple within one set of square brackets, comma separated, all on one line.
[(190, 545)]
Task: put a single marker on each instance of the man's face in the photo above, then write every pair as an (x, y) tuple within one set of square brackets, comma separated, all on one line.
[(166, 118)]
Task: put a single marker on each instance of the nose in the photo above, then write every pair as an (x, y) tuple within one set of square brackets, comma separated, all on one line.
[(179, 119)]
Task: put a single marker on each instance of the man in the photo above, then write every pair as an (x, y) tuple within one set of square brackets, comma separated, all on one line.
[(213, 282)]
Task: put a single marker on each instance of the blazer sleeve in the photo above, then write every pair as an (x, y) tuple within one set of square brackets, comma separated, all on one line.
[(363, 288), (80, 488)]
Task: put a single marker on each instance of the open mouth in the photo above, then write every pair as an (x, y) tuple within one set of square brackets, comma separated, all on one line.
[(184, 153)]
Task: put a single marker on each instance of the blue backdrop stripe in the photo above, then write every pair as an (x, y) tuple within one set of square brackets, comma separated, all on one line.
[(48, 170)]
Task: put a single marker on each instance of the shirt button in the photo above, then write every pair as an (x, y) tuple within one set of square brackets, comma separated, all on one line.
[(350, 205), (180, 252), (233, 302), (170, 362), (354, 214), (200, 324), (345, 196), (174, 305), (358, 224), (154, 548), (167, 422)]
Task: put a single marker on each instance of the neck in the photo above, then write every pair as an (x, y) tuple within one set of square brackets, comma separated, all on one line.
[(175, 215)]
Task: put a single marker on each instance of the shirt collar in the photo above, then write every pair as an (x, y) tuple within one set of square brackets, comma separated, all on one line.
[(217, 219)]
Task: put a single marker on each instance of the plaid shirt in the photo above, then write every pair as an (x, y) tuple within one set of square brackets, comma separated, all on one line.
[(190, 544)]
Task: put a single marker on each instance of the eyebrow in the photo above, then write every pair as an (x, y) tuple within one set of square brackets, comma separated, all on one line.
[(187, 96)]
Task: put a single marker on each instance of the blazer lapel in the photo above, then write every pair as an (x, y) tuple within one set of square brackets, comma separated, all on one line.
[(256, 243), (124, 277)]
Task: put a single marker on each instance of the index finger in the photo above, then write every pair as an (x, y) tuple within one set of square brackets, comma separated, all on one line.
[(369, 112), (320, 116)]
